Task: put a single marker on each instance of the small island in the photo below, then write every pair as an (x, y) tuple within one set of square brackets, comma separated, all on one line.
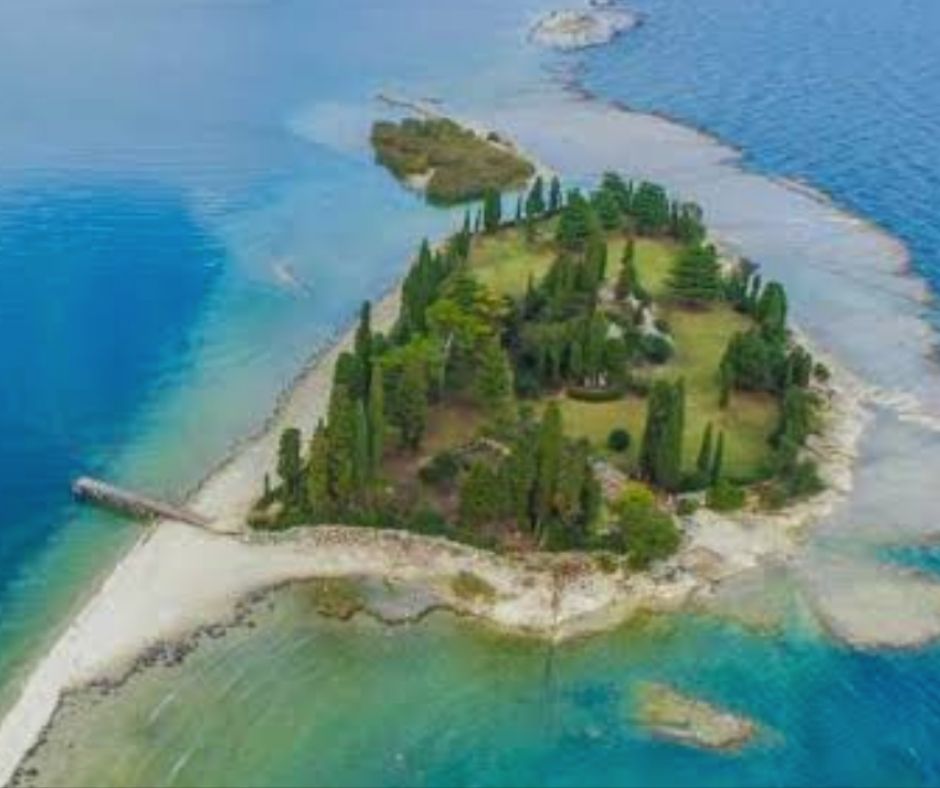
[(579, 375), (449, 163), (673, 715), (578, 29)]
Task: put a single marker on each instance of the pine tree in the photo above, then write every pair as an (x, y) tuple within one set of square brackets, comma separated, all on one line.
[(289, 466), (704, 462), (607, 209), (376, 416), (695, 277), (480, 497), (650, 207), (771, 310), (717, 464), (494, 378), (492, 210), (577, 222)]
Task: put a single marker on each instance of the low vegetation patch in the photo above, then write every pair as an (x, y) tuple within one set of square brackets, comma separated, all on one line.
[(460, 165), (472, 588), (336, 597)]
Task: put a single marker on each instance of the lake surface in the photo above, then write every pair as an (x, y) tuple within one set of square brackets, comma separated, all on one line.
[(181, 189)]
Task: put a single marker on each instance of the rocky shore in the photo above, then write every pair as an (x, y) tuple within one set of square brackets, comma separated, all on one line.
[(574, 29)]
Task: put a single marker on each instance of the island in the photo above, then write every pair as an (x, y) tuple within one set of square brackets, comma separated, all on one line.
[(448, 162), (686, 720), (579, 374), (570, 29)]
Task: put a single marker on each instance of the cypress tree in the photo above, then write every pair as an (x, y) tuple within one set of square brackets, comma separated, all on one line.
[(318, 475), (661, 450), (493, 378), (361, 456), (627, 280), (376, 416), (704, 462), (535, 201), (363, 343), (412, 399), (492, 210), (548, 462), (554, 196), (719, 459), (518, 210), (289, 465), (772, 310), (341, 434)]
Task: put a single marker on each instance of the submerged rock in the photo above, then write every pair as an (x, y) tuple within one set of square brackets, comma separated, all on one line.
[(577, 29), (669, 713)]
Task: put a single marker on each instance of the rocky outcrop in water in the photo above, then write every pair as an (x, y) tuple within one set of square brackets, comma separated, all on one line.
[(576, 29)]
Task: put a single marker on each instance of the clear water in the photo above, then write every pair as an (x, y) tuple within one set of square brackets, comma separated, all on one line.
[(165, 162)]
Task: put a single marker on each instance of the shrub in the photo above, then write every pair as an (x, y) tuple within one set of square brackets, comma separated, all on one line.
[(585, 394), (662, 325), (726, 497), (428, 522), (618, 440), (821, 372), (472, 588), (686, 507), (441, 470), (648, 533), (655, 348)]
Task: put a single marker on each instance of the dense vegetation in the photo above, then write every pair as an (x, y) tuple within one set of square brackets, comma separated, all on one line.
[(561, 381), (461, 165)]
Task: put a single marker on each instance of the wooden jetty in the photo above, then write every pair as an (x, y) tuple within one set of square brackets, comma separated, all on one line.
[(134, 504)]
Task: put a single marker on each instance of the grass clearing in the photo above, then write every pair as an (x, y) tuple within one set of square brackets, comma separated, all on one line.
[(653, 261), (504, 261), (701, 338)]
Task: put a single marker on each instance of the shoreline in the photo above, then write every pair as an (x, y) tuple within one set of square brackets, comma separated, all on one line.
[(108, 632)]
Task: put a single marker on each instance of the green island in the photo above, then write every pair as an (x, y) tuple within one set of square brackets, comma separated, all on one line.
[(579, 377), (451, 163)]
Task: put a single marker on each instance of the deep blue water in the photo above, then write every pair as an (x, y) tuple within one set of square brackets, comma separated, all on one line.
[(840, 93)]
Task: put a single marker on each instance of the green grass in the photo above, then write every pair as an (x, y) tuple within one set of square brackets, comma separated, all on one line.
[(701, 338), (504, 261)]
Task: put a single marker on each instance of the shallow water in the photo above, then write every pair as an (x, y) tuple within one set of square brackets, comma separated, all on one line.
[(244, 159)]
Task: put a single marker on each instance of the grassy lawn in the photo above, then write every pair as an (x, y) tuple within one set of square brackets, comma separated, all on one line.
[(504, 261), (701, 338), (653, 261)]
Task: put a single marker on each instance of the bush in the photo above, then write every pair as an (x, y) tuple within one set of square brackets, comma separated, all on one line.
[(655, 348), (726, 497), (662, 325), (441, 470), (686, 507), (429, 523), (821, 372), (618, 440), (585, 394), (648, 533), (471, 588)]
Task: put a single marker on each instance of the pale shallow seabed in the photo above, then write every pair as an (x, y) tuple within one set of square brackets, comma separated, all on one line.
[(475, 713)]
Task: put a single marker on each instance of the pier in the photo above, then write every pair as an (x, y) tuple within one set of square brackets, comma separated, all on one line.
[(133, 504)]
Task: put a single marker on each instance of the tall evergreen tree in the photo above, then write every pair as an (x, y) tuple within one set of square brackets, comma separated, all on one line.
[(627, 279), (535, 200), (319, 497), (718, 463), (494, 378), (771, 310), (554, 196), (492, 210), (376, 414), (548, 462), (289, 466), (661, 450), (412, 399), (362, 461), (341, 434), (363, 342), (704, 462), (651, 209), (695, 277)]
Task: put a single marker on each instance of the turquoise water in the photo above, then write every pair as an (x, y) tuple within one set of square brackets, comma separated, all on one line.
[(164, 163)]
